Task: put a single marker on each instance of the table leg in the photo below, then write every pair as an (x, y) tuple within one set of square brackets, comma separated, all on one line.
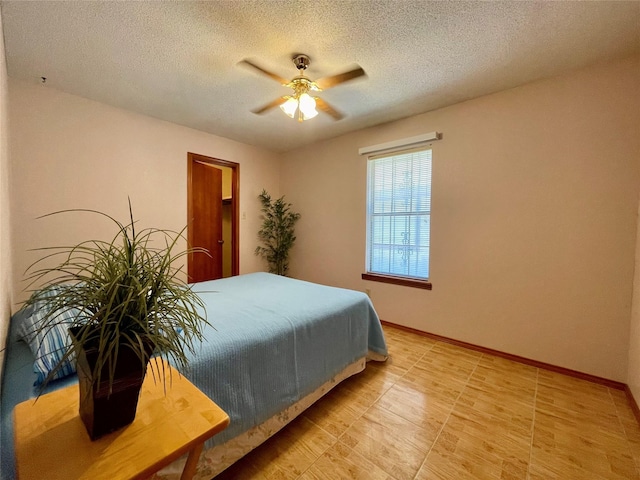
[(192, 462)]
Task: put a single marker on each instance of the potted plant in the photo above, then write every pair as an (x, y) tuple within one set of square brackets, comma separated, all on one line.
[(277, 233), (123, 301)]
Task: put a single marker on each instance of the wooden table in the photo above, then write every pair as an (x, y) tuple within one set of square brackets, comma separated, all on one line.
[(51, 441)]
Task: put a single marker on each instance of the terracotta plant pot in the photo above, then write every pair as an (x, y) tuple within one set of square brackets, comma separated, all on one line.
[(103, 409)]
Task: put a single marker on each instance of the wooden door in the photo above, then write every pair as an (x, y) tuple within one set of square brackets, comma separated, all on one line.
[(205, 224)]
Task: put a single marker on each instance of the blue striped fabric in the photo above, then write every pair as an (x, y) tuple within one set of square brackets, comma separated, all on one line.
[(49, 344)]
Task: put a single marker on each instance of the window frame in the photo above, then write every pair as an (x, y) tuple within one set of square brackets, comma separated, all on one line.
[(389, 278), (396, 280)]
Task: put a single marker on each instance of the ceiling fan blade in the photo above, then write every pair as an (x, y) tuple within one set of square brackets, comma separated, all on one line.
[(326, 108), (277, 102), (277, 78), (328, 82)]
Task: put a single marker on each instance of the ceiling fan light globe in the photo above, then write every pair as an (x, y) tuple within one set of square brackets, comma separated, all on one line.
[(289, 107), (308, 106), (309, 114), (307, 102)]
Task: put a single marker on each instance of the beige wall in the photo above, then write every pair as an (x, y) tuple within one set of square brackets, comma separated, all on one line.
[(69, 152), (535, 193), (6, 262), (633, 377)]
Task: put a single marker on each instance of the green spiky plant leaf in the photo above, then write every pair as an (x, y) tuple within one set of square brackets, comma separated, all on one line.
[(129, 293), (277, 233)]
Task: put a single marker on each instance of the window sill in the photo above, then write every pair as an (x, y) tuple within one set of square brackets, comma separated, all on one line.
[(406, 282)]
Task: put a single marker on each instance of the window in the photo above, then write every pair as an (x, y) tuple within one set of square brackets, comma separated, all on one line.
[(399, 216)]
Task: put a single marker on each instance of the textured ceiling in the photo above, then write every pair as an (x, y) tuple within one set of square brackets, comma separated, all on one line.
[(178, 61)]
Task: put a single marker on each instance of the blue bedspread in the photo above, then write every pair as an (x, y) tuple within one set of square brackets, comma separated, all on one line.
[(276, 340), (273, 340)]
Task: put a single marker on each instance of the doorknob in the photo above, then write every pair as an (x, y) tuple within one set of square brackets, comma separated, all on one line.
[(220, 242)]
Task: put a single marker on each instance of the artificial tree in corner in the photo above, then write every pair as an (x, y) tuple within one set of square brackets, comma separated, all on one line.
[(127, 302), (277, 233)]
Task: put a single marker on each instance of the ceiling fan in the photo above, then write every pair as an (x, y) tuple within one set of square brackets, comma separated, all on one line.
[(301, 102)]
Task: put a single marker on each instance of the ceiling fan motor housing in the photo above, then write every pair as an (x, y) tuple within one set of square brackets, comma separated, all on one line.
[(301, 61)]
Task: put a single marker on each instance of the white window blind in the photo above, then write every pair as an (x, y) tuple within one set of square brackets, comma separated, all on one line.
[(399, 214)]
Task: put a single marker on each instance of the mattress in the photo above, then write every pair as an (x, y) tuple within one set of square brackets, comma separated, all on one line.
[(274, 340)]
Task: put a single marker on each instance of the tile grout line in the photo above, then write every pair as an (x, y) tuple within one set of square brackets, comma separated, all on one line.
[(444, 424), (615, 406), (533, 424), (337, 440), (323, 452), (336, 437), (624, 431), (359, 417), (394, 383)]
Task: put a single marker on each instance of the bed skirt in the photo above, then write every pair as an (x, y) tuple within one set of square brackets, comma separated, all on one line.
[(216, 459)]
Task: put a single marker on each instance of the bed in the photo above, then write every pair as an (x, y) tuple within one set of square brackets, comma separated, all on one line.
[(275, 346)]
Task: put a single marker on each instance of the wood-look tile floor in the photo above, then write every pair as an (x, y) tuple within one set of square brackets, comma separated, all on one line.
[(437, 411)]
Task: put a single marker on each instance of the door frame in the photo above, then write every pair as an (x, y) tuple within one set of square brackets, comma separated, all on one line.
[(235, 203)]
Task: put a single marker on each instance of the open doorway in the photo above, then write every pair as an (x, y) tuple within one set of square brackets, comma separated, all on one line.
[(212, 217)]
